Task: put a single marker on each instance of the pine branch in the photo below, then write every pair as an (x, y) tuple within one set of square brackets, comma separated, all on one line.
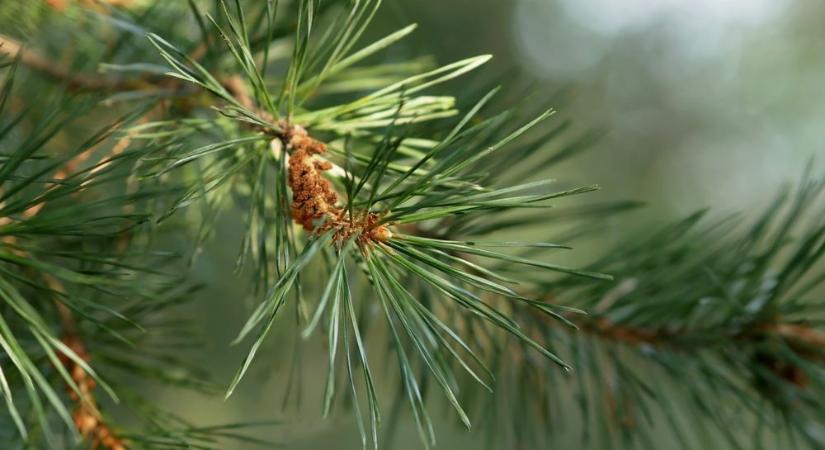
[(87, 417), (61, 5), (14, 49), (369, 197), (54, 222), (799, 334), (726, 330), (357, 226)]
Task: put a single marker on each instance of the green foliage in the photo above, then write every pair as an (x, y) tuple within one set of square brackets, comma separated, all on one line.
[(437, 181), (403, 265), (702, 329)]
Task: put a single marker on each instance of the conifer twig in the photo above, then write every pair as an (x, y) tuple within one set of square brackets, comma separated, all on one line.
[(798, 334), (34, 61), (801, 334), (86, 416), (61, 5), (313, 198)]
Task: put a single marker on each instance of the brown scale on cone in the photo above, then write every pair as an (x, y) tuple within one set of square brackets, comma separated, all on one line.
[(314, 201), (313, 198), (86, 416)]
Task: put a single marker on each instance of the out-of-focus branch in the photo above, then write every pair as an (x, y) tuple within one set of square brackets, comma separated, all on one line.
[(87, 82), (36, 62), (86, 415), (795, 334), (806, 341), (799, 334), (61, 5)]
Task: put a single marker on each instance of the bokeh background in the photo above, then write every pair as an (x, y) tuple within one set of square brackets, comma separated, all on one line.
[(703, 103)]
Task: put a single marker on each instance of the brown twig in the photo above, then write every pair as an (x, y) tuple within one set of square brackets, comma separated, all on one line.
[(61, 5), (796, 334), (86, 415), (13, 48), (806, 341), (87, 418), (799, 334)]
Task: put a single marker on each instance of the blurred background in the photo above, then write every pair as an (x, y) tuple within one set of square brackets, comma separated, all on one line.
[(703, 103)]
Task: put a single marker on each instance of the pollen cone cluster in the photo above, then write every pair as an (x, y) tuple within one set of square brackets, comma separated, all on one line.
[(315, 202)]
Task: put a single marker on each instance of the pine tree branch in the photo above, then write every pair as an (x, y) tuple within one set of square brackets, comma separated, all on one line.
[(36, 62), (61, 5), (801, 334), (87, 417), (13, 48), (797, 334), (420, 281), (313, 198)]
